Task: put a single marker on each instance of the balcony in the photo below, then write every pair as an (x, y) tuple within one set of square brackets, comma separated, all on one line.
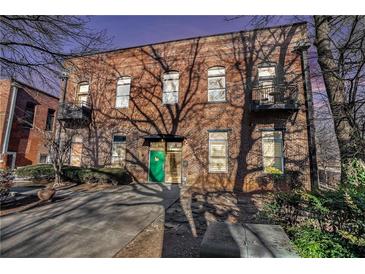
[(275, 97), (75, 115)]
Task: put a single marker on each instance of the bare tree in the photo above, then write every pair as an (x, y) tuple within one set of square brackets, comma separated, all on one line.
[(58, 151), (340, 43), (340, 52), (34, 47)]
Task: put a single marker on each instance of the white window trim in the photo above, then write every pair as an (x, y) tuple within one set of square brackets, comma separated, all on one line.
[(80, 94), (227, 152), (282, 151), (210, 70), (127, 82), (169, 76), (125, 152)]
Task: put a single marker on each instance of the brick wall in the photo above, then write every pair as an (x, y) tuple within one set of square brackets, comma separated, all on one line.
[(239, 53), (28, 143)]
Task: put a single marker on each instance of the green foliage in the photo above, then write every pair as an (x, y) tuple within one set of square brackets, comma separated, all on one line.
[(284, 208), (337, 215), (41, 171), (313, 243), (76, 174)]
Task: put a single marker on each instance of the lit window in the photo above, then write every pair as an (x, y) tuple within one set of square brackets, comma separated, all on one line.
[(272, 152), (118, 150), (123, 90), (216, 84), (218, 152), (170, 88), (83, 94)]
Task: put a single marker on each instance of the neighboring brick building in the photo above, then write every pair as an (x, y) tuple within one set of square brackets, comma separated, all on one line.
[(25, 113), (227, 111)]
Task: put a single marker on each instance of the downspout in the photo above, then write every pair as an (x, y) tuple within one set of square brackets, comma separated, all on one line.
[(64, 78), (302, 48), (14, 92)]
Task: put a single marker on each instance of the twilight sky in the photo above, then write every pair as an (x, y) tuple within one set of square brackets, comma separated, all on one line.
[(137, 30), (128, 31)]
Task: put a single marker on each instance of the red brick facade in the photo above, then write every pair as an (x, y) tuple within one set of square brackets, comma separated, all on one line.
[(193, 117), (25, 143)]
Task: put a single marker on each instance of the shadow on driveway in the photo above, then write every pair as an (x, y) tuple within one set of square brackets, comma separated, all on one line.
[(83, 224)]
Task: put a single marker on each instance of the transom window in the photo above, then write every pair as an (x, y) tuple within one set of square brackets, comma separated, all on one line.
[(216, 84), (118, 150), (218, 152), (83, 94), (272, 151), (170, 87), (123, 91)]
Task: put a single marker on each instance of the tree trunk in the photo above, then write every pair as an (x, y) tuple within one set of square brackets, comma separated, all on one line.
[(335, 89)]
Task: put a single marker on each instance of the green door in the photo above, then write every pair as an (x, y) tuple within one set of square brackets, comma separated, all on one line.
[(157, 166)]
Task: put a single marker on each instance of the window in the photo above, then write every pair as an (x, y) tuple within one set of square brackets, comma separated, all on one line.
[(44, 159), (29, 115), (50, 119), (123, 90), (170, 88), (272, 152), (83, 94), (216, 84), (76, 151), (118, 150), (266, 77), (218, 152), (267, 71)]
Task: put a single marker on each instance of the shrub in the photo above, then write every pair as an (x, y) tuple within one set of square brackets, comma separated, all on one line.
[(6, 181), (313, 243), (74, 174), (41, 171), (335, 215), (284, 208)]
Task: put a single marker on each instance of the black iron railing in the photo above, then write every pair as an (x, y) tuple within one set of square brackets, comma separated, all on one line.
[(78, 112), (282, 96)]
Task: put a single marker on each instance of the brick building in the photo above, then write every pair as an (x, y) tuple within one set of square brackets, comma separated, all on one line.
[(227, 111), (25, 113)]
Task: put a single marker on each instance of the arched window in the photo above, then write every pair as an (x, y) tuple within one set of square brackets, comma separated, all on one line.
[(217, 84), (83, 94), (170, 87), (123, 91)]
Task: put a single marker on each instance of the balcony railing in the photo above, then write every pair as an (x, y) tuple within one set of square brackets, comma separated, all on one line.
[(75, 115), (275, 97)]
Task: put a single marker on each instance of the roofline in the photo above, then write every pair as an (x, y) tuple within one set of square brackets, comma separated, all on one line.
[(13, 80), (189, 38)]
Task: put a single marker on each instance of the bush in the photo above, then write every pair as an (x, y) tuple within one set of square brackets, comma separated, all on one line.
[(313, 243), (338, 215), (6, 181), (41, 171), (284, 208), (78, 175)]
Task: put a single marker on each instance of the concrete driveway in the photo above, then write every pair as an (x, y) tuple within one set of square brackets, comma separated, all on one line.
[(84, 224)]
